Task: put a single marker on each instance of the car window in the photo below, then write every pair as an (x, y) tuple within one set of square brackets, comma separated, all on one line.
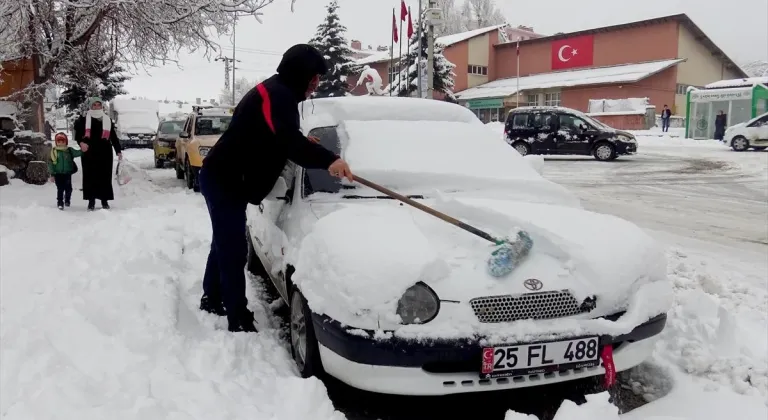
[(171, 127), (541, 121), (211, 125), (760, 121), (319, 180), (572, 123), (519, 121)]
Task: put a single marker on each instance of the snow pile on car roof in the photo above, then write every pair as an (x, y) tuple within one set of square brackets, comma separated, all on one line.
[(340, 263), (377, 108)]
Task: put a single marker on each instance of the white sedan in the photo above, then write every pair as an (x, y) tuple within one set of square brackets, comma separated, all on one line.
[(389, 299), (752, 133)]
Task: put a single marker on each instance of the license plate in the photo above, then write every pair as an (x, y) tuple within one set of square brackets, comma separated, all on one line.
[(530, 359)]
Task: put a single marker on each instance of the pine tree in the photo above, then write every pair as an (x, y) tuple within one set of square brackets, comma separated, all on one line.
[(91, 75), (407, 81), (330, 41)]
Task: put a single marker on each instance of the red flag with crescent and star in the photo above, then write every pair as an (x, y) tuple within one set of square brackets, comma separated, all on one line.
[(573, 52)]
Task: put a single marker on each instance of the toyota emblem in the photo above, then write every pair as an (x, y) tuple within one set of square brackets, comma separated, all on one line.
[(533, 284)]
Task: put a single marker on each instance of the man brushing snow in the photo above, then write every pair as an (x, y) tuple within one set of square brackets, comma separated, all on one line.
[(243, 167), (372, 81)]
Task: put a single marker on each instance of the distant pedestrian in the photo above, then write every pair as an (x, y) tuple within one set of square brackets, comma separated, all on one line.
[(721, 120), (97, 137), (61, 167), (666, 114)]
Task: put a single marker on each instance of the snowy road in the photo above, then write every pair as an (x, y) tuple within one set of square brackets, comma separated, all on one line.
[(99, 316)]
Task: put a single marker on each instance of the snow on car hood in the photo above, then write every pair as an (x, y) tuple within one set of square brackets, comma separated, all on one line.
[(359, 258)]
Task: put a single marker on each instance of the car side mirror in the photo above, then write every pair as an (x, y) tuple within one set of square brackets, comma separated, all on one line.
[(183, 135), (279, 191)]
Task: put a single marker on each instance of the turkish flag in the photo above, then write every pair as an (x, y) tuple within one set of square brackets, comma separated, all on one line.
[(573, 52), (403, 10), (394, 27), (410, 24)]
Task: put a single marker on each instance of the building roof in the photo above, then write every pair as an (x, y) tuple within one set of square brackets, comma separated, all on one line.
[(625, 73), (447, 41), (682, 18), (732, 83)]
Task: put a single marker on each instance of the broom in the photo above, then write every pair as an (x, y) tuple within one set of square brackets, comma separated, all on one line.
[(507, 254)]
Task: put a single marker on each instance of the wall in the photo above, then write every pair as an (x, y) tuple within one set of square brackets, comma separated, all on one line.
[(700, 67), (659, 88), (623, 122), (16, 75), (458, 54), (631, 45), (478, 54)]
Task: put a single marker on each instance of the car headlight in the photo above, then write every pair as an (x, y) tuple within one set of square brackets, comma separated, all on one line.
[(418, 305), (204, 151), (626, 139)]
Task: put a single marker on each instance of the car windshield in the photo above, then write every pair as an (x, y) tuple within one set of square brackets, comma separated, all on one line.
[(418, 157), (212, 125), (171, 127), (595, 123)]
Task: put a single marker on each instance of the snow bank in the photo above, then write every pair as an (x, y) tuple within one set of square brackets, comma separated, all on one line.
[(497, 127), (100, 316), (597, 407), (667, 141), (341, 262)]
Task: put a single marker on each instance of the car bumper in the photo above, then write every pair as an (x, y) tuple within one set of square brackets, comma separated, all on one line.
[(626, 148), (164, 152), (136, 143), (405, 367)]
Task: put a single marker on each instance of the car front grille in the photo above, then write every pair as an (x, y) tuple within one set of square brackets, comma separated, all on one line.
[(539, 305)]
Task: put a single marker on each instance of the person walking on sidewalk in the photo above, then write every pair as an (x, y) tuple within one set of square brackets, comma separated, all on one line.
[(94, 131), (61, 167), (243, 167)]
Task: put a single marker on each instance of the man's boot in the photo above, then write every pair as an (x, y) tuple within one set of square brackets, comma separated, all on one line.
[(212, 306), (243, 323), (91, 205)]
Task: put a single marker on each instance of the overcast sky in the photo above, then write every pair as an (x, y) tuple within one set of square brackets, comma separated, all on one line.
[(740, 28)]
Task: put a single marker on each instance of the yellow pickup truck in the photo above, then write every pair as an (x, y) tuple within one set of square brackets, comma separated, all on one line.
[(201, 131)]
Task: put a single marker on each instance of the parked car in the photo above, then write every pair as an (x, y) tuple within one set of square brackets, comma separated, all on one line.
[(389, 299), (750, 134), (164, 144), (545, 130), (201, 131)]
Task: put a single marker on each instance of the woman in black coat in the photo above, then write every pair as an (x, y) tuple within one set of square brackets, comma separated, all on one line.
[(97, 137), (721, 120)]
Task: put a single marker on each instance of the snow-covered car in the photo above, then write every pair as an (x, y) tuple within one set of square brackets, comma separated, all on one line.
[(389, 299), (752, 133)]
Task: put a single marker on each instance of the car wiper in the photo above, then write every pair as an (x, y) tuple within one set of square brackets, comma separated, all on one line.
[(385, 197)]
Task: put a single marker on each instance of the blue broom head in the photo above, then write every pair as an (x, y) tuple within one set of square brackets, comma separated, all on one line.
[(509, 254)]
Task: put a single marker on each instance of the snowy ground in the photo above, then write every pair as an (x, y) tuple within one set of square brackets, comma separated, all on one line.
[(99, 314)]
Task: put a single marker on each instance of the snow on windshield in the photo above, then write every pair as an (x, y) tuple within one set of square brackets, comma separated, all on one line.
[(171, 127), (212, 125), (137, 121), (442, 150)]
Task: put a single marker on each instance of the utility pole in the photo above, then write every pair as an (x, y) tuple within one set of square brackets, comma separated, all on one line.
[(418, 61), (431, 54), (234, 40), (227, 62)]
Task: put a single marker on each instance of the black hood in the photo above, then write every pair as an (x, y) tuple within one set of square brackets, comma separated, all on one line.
[(299, 65)]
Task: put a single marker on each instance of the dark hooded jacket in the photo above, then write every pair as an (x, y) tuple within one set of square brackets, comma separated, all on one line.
[(264, 133)]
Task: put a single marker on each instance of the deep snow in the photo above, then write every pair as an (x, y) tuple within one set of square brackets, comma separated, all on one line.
[(99, 310)]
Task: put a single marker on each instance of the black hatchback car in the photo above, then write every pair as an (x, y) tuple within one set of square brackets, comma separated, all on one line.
[(545, 130)]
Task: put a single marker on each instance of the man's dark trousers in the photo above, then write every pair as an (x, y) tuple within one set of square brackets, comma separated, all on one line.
[(225, 271), (63, 188)]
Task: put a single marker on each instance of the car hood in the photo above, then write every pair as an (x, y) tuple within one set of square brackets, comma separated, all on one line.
[(389, 247), (167, 136), (735, 126), (208, 141)]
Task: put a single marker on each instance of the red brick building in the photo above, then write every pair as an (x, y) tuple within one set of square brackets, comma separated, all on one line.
[(655, 58)]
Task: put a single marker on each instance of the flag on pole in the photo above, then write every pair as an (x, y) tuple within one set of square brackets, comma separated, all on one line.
[(403, 13), (403, 10), (410, 24), (395, 38)]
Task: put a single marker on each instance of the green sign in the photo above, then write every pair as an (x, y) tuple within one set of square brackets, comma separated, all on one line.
[(485, 103)]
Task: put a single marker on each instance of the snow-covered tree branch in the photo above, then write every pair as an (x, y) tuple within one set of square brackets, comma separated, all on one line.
[(330, 41), (140, 32), (242, 86), (468, 15)]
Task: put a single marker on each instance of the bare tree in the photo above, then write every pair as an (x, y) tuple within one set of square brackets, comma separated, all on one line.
[(138, 33), (469, 15), (242, 86)]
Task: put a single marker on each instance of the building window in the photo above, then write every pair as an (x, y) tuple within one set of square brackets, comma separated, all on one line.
[(552, 99), (392, 73), (478, 70), (532, 100)]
